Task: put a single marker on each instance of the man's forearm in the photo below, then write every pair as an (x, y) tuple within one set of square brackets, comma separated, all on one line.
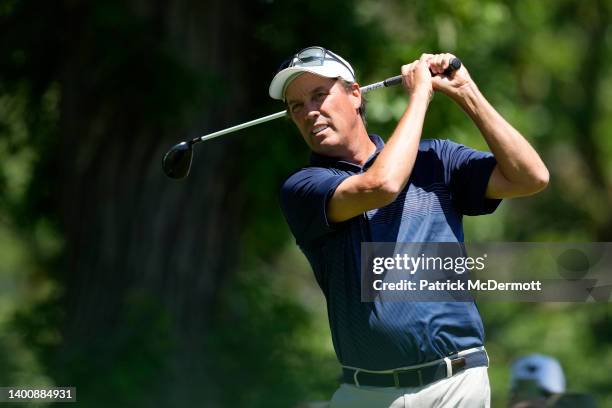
[(516, 159), (396, 160)]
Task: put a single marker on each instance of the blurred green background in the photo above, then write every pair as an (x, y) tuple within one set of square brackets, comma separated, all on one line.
[(143, 291)]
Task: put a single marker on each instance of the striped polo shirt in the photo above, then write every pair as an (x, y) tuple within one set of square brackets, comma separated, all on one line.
[(448, 181)]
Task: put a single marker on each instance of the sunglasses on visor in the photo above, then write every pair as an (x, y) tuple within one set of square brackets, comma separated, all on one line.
[(312, 57)]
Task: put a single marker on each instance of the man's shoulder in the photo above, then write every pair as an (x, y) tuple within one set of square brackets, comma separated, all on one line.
[(431, 149), (435, 144), (443, 150), (311, 180), (307, 172)]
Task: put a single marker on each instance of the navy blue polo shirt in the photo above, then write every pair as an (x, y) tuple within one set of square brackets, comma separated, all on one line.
[(448, 181)]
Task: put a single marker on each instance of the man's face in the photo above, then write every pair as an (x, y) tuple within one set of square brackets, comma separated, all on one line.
[(324, 112)]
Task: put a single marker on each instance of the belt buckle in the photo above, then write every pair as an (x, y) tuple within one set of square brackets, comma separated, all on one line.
[(458, 364), (396, 374)]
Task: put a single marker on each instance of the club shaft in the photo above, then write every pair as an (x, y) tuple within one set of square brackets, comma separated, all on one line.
[(387, 82), (454, 65), (241, 126), (273, 116)]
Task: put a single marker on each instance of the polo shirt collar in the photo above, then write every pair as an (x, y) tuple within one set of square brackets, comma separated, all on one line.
[(325, 161)]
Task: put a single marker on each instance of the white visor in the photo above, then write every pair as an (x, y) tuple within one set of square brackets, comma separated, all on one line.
[(333, 66)]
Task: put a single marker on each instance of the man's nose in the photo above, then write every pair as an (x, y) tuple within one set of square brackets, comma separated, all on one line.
[(313, 109), (312, 115)]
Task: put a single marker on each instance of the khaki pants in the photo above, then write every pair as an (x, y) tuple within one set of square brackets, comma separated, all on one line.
[(467, 389)]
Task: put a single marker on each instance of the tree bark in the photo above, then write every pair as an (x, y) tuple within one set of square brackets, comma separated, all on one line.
[(135, 240)]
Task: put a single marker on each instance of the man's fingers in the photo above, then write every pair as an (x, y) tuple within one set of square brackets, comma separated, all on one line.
[(447, 59), (437, 82), (426, 57), (439, 62), (416, 74), (406, 69)]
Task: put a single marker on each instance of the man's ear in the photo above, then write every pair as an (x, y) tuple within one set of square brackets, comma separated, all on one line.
[(356, 95)]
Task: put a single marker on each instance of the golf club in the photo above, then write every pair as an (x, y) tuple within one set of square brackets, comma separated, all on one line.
[(177, 161)]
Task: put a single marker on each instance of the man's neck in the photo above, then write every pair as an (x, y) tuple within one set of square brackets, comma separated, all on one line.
[(361, 149)]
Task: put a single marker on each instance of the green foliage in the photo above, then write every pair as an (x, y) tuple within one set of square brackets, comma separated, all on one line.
[(265, 339)]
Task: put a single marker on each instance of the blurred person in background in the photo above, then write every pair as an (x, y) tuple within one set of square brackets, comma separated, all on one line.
[(538, 381)]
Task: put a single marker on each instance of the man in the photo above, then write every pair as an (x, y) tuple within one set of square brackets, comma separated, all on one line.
[(535, 380), (359, 189)]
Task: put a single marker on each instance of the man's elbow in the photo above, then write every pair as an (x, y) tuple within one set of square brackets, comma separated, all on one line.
[(386, 190), (541, 180), (537, 182)]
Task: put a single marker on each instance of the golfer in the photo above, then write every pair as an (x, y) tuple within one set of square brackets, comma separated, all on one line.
[(359, 189)]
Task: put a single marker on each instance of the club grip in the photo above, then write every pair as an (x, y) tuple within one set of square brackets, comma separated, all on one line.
[(393, 80), (453, 65)]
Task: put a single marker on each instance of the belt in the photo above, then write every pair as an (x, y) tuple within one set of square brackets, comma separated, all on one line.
[(418, 375)]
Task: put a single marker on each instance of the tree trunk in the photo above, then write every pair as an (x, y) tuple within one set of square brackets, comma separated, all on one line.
[(145, 255)]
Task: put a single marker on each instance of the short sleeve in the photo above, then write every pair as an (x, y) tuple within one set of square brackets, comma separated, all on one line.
[(303, 199), (468, 172)]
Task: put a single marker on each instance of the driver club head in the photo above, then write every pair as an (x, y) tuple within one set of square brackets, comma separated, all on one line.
[(177, 161)]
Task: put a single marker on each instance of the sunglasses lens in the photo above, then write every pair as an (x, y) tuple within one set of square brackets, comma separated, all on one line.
[(311, 56)]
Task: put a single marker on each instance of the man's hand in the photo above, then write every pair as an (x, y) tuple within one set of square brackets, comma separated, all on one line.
[(416, 76), (452, 85)]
